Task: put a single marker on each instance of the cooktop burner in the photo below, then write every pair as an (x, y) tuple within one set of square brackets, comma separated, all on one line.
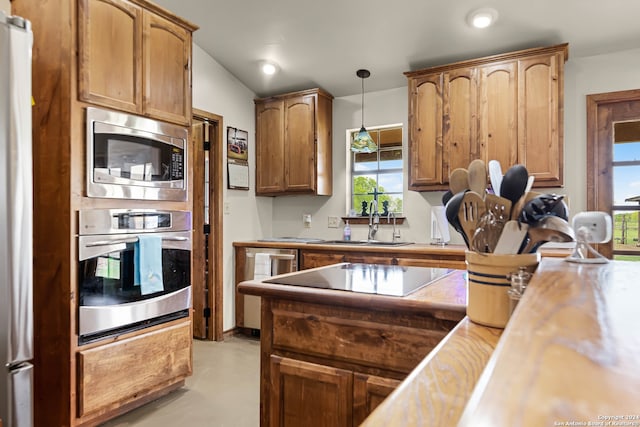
[(394, 280)]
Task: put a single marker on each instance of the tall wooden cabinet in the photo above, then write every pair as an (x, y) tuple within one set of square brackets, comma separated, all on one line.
[(293, 144), (133, 59), (505, 107), (104, 53)]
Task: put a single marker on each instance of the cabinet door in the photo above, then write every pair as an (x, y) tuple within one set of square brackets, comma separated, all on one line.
[(270, 147), (425, 132), (319, 259), (308, 394), (167, 70), (498, 106), (460, 120), (540, 121), (109, 54), (300, 148), (368, 392)]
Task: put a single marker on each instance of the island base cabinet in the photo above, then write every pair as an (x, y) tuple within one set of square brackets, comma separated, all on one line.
[(310, 395), (126, 371), (368, 392)]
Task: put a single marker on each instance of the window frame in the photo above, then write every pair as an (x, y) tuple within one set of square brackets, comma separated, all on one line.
[(350, 158)]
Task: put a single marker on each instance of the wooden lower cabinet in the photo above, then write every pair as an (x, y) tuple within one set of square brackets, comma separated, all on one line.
[(308, 394), (368, 392), (329, 365), (313, 258), (123, 372)]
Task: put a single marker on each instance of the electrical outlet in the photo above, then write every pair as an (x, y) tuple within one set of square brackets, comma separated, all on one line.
[(334, 222), (227, 208), (306, 220)]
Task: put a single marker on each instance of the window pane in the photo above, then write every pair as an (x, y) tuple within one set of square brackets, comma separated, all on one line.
[(391, 159), (628, 151), (626, 185), (390, 182), (365, 162), (625, 231), (364, 184)]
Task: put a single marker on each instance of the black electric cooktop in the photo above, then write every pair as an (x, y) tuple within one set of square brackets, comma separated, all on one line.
[(394, 280)]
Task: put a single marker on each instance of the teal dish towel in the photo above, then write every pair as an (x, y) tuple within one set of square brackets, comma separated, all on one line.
[(148, 264)]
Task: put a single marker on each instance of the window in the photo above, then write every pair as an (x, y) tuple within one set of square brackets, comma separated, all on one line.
[(626, 190), (378, 175)]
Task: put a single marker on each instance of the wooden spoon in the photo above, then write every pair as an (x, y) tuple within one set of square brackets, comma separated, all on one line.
[(478, 177), (459, 180)]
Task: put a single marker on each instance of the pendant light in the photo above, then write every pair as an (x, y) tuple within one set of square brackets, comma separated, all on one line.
[(362, 141)]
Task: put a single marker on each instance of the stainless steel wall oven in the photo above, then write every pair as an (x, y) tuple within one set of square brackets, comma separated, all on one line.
[(134, 269), (132, 157)]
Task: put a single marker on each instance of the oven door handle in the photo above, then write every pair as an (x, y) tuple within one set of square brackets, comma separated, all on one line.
[(110, 242), (131, 240)]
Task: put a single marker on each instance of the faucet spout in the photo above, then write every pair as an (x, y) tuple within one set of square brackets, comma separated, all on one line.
[(374, 219)]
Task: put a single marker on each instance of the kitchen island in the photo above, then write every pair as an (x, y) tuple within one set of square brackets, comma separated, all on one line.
[(568, 355), (329, 357)]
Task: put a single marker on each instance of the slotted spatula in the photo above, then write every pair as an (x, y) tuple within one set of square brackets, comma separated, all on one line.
[(471, 209)]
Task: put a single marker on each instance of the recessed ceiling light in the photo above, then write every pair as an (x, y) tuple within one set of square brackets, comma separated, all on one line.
[(482, 18), (269, 68)]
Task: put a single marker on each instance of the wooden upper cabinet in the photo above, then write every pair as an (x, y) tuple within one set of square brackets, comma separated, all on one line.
[(425, 124), (133, 59), (110, 54), (299, 134), (270, 147), (167, 69), (497, 113), (293, 144), (540, 113), (505, 107), (460, 125)]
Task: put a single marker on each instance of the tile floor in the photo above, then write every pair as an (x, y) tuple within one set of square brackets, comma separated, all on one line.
[(223, 391)]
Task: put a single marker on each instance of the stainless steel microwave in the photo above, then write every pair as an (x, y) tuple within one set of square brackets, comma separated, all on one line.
[(132, 157)]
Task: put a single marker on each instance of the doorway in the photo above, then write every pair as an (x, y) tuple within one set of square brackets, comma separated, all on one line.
[(613, 141), (206, 138)]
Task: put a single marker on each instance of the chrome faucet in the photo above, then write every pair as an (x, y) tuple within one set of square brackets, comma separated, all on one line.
[(374, 219), (396, 234)]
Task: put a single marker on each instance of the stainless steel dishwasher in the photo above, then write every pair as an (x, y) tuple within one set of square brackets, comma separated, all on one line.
[(280, 261)]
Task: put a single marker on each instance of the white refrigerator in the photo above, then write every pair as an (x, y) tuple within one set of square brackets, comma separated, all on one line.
[(16, 224)]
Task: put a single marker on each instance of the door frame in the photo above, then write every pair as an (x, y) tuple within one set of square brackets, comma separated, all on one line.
[(603, 110), (210, 327)]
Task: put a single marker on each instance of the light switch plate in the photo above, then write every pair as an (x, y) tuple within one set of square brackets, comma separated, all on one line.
[(334, 222)]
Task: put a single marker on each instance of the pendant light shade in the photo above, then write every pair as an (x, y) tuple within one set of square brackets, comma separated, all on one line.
[(362, 141)]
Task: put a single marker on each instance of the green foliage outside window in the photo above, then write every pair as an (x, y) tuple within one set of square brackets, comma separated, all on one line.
[(362, 186)]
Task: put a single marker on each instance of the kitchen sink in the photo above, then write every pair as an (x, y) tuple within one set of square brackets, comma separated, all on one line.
[(364, 242)]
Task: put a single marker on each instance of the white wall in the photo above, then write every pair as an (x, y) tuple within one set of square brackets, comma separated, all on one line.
[(217, 91), (5, 6), (381, 108)]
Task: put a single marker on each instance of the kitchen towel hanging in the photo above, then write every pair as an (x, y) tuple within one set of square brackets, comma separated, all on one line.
[(148, 264), (262, 267)]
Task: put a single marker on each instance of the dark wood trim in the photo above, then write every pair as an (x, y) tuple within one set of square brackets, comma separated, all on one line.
[(215, 277), (602, 111)]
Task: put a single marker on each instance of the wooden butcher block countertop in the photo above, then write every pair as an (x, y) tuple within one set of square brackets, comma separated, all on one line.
[(570, 355)]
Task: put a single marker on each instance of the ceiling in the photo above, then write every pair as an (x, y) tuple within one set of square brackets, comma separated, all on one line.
[(321, 43)]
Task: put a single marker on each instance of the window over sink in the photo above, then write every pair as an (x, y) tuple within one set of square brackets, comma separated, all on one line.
[(377, 175)]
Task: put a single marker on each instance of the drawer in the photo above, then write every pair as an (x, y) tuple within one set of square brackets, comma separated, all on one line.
[(124, 371), (381, 340)]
